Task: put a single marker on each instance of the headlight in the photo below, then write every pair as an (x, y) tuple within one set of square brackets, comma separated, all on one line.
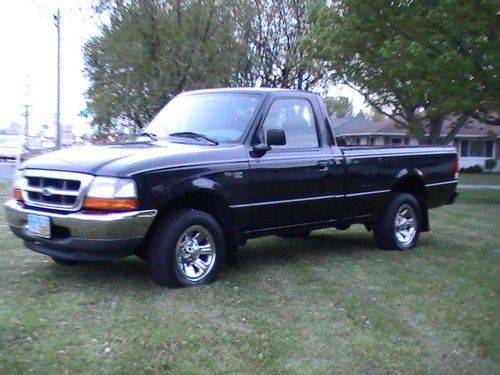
[(108, 187), (18, 184), (115, 194)]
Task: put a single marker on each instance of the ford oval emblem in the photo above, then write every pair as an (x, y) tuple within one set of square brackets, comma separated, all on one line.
[(46, 192)]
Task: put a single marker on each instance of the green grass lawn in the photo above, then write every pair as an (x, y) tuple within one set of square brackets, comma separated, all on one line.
[(480, 178), (328, 304)]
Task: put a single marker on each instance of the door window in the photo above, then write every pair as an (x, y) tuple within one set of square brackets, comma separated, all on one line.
[(295, 118)]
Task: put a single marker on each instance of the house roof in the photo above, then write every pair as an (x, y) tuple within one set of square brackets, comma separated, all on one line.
[(359, 126)]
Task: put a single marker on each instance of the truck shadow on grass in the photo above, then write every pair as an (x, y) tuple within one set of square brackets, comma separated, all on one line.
[(258, 255), (276, 250), (125, 273)]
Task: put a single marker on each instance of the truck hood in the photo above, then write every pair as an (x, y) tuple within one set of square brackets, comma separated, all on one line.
[(129, 159)]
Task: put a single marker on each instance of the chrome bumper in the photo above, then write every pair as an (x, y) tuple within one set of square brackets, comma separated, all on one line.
[(80, 235)]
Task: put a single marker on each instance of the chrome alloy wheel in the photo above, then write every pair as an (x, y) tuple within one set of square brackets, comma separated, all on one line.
[(195, 253), (405, 225)]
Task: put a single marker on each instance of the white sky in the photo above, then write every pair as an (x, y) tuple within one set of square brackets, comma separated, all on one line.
[(28, 40), (358, 102)]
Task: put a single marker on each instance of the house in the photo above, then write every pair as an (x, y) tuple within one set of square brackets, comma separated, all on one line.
[(476, 142)]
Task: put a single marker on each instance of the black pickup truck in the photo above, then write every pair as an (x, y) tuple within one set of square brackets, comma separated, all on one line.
[(218, 167)]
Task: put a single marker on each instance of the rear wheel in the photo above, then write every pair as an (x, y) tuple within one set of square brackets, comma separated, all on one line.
[(186, 249), (398, 227)]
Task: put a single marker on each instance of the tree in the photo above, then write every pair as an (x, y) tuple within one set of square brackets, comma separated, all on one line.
[(339, 106), (15, 128), (417, 62), (151, 50), (273, 30), (374, 115)]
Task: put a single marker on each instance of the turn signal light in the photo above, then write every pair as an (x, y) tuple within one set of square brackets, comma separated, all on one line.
[(106, 204), (17, 194)]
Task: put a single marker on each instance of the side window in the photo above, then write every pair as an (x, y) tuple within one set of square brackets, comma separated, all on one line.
[(295, 118)]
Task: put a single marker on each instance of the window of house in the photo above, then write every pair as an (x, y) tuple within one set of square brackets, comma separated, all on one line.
[(489, 149), (464, 149), (477, 149), (396, 141), (295, 118)]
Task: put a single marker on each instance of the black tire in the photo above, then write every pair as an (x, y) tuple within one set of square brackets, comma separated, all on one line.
[(385, 229), (295, 234), (66, 262), (162, 254)]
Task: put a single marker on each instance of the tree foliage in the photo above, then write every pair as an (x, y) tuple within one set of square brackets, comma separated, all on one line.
[(339, 106), (151, 50), (273, 32), (416, 61)]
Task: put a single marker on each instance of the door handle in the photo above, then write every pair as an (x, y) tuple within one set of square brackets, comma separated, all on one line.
[(323, 165)]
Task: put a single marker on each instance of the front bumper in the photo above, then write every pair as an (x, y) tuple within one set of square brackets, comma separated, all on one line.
[(81, 235)]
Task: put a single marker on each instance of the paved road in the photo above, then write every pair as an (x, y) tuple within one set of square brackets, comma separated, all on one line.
[(6, 170)]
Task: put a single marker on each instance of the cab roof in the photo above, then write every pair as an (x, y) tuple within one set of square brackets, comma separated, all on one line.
[(250, 90)]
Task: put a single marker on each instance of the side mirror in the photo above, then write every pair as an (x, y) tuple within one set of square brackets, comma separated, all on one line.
[(276, 137)]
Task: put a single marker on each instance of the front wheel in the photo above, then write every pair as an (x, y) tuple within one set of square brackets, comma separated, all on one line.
[(398, 227), (186, 249)]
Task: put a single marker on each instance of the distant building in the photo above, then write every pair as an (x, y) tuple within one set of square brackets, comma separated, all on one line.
[(476, 142)]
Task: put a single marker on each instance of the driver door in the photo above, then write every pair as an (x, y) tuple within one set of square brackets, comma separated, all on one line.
[(295, 183)]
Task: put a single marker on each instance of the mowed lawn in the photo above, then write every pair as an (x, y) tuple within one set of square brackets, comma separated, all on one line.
[(328, 304), (480, 178)]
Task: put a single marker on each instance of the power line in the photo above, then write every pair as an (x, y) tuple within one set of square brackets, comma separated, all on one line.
[(46, 6), (42, 11)]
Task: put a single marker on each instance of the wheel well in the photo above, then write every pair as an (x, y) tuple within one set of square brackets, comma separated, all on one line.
[(210, 203), (415, 186)]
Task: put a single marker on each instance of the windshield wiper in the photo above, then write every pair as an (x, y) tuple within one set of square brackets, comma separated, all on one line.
[(194, 135), (153, 136)]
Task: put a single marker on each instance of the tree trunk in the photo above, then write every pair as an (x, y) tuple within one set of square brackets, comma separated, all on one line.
[(435, 126), (459, 123)]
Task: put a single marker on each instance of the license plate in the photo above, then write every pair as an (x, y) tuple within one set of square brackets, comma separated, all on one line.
[(39, 225)]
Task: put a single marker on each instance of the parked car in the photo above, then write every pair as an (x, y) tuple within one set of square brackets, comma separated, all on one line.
[(12, 148), (218, 167)]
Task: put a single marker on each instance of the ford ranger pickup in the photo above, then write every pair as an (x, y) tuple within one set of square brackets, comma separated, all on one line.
[(215, 168)]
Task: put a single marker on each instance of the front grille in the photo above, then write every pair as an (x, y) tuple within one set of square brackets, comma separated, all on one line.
[(58, 190)]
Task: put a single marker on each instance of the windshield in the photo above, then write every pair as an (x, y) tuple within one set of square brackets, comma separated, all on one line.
[(221, 117)]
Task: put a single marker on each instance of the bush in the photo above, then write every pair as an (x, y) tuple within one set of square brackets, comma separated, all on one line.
[(490, 164), (473, 169)]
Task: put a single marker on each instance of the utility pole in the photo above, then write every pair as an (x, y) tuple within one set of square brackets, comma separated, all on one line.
[(57, 19), (26, 116), (26, 113)]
